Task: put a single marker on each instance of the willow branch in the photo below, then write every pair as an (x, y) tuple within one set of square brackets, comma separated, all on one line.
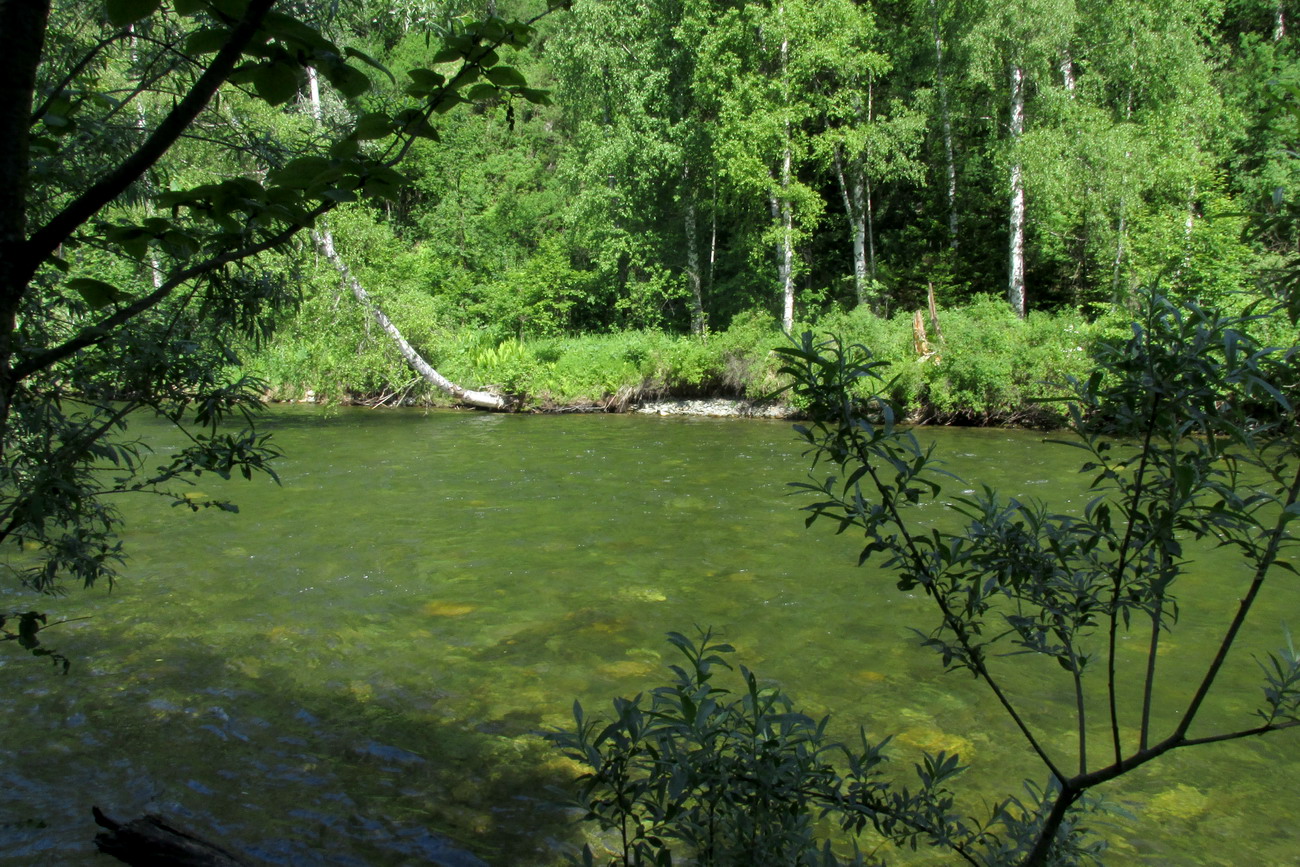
[(100, 331), (46, 239), (1276, 535)]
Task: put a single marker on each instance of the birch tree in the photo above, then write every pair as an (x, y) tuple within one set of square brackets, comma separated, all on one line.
[(1017, 43), (748, 76), (639, 162), (860, 135)]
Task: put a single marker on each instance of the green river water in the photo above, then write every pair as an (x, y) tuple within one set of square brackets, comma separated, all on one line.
[(349, 670)]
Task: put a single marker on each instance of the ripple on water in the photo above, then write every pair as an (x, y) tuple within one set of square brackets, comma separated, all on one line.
[(379, 641)]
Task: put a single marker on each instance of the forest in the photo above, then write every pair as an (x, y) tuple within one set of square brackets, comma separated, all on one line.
[(703, 165), (657, 190)]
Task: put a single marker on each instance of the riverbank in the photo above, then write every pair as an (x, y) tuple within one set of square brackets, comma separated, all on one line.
[(973, 365)]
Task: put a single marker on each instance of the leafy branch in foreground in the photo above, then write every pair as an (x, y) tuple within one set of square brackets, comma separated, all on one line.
[(1188, 437), (30, 623), (744, 779)]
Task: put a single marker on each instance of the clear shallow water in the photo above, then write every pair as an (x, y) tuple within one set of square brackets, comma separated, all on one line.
[(348, 671)]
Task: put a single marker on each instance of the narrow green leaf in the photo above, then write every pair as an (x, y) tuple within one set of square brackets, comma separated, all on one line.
[(447, 54), (337, 195), (351, 52), (348, 81), (372, 126), (533, 95), (206, 41), (345, 149), (277, 83), (301, 172), (426, 78), (286, 28)]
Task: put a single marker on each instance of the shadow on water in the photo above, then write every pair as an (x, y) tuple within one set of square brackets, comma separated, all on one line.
[(282, 775)]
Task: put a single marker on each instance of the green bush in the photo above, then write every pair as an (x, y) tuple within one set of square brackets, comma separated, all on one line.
[(737, 780)]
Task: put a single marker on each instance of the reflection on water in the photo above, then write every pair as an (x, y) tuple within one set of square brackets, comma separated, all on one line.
[(348, 671)]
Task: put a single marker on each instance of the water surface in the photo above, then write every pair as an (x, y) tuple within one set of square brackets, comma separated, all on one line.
[(348, 671)]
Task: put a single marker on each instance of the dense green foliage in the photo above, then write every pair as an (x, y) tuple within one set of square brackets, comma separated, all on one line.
[(739, 781), (641, 198), (701, 160), (988, 366)]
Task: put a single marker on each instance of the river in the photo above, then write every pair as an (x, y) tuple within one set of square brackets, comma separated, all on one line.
[(349, 671)]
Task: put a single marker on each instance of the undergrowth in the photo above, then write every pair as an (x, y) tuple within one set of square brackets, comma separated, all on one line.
[(980, 365)]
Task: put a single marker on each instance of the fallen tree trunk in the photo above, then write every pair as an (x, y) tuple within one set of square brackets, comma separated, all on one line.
[(151, 842), (482, 399)]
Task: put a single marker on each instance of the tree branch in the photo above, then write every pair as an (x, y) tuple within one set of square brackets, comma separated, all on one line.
[(45, 240), (1244, 733), (74, 72), (102, 330), (1243, 608)]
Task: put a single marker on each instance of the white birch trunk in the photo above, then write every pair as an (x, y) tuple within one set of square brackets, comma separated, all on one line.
[(851, 194), (313, 93), (1189, 223), (1016, 277), (1279, 23), (1067, 71), (482, 399), (947, 126), (862, 187), (1120, 228), (782, 215), (693, 256), (325, 243), (785, 268), (713, 233)]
